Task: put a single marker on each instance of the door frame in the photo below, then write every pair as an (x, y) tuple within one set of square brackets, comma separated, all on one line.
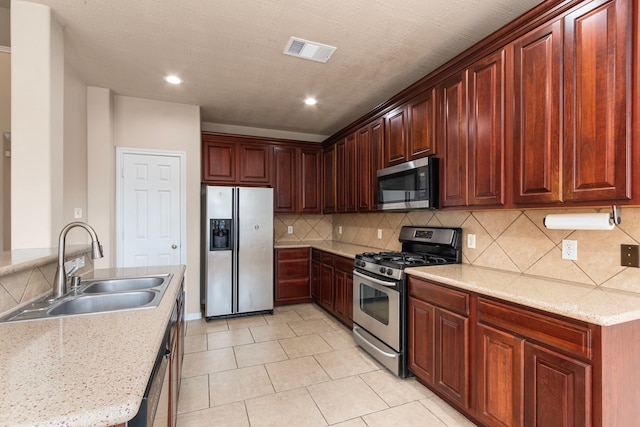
[(120, 153)]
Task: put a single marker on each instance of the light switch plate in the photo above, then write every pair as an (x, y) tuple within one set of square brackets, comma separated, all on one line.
[(339, 229), (379, 233), (290, 229), (570, 249), (471, 241), (630, 255)]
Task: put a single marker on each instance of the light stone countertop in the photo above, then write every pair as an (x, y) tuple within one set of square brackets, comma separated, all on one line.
[(85, 370), (338, 248), (597, 305)]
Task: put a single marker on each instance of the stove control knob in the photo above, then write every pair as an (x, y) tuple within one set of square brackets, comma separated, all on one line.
[(382, 270), (389, 272), (361, 263)]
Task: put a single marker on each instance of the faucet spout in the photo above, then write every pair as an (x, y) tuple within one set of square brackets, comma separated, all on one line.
[(60, 280)]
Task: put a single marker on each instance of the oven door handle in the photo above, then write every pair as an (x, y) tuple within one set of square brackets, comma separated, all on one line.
[(363, 340), (374, 280)]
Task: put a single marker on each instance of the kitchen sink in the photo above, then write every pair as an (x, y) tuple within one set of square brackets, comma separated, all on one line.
[(98, 296), (123, 284), (103, 302)]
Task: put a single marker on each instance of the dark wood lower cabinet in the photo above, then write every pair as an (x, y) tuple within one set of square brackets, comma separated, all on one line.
[(519, 366), (500, 379), (332, 284), (292, 284), (557, 389)]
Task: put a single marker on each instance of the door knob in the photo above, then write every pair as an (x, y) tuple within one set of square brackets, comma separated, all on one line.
[(174, 246)]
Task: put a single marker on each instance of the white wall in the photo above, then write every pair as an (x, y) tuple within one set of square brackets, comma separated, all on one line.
[(147, 124), (37, 85), (5, 162), (74, 194)]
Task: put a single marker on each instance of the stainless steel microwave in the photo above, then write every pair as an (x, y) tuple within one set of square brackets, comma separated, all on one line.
[(409, 186)]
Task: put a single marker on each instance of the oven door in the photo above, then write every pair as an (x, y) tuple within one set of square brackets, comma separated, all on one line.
[(376, 308)]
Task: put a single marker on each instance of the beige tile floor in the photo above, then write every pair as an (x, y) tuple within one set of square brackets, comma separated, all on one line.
[(297, 367)]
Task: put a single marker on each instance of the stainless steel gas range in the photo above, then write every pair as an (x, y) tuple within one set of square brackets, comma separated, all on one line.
[(380, 290)]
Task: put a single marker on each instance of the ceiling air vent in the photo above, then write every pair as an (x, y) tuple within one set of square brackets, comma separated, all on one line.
[(306, 49)]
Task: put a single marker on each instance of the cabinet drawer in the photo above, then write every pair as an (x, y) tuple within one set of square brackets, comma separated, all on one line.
[(327, 258), (453, 300), (288, 269), (344, 264), (564, 335), (292, 253)]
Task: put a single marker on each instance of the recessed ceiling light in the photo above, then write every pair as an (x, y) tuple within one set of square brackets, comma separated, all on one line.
[(310, 101), (174, 80)]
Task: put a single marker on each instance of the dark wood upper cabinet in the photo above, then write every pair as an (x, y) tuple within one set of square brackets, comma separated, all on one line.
[(597, 101), (422, 125), (254, 163), (310, 167), (351, 174), (341, 176), (452, 132), (218, 161), (537, 136), (363, 180), (376, 143), (329, 178), (395, 143), (486, 131), (284, 159)]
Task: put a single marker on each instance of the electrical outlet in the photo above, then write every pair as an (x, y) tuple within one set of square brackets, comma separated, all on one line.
[(77, 213), (80, 262), (471, 241), (290, 229), (379, 233), (570, 249), (339, 229)]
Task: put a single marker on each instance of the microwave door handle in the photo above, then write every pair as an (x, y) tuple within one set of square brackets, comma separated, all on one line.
[(374, 280)]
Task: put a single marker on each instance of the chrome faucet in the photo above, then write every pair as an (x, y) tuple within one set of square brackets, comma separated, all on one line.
[(60, 281)]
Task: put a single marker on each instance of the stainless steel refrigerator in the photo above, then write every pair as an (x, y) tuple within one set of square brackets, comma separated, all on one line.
[(237, 250)]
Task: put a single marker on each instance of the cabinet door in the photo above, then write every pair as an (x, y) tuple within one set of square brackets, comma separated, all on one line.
[(537, 137), (395, 144), (597, 78), (326, 284), (377, 158), (348, 300), (486, 131), (310, 173), (500, 377), (254, 163), (363, 181), (351, 174), (315, 281), (452, 132), (339, 303), (292, 284), (284, 193), (421, 339), (329, 180), (422, 125), (218, 161), (557, 389), (452, 355), (341, 177)]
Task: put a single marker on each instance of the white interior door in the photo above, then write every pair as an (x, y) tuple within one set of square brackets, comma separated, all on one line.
[(151, 230)]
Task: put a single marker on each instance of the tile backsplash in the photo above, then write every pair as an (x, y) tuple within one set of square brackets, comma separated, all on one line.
[(512, 240)]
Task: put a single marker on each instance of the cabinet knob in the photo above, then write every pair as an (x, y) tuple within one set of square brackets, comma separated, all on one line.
[(174, 246)]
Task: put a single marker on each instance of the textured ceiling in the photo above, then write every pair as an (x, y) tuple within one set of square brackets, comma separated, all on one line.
[(229, 53)]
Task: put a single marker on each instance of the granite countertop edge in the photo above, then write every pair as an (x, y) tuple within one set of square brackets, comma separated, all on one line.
[(593, 304)]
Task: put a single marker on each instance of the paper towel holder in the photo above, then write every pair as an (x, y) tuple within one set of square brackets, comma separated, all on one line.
[(615, 215)]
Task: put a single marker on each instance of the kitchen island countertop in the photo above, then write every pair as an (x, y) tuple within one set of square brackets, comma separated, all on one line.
[(593, 304), (83, 370)]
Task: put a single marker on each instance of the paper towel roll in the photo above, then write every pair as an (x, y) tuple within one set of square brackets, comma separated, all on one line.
[(585, 221)]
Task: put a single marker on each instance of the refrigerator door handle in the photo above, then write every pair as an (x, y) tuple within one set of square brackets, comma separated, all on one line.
[(236, 248)]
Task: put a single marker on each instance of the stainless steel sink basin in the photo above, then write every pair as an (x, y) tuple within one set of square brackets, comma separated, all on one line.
[(98, 296), (122, 285), (103, 302)]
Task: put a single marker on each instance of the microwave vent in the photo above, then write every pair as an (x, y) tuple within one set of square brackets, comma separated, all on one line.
[(306, 49)]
